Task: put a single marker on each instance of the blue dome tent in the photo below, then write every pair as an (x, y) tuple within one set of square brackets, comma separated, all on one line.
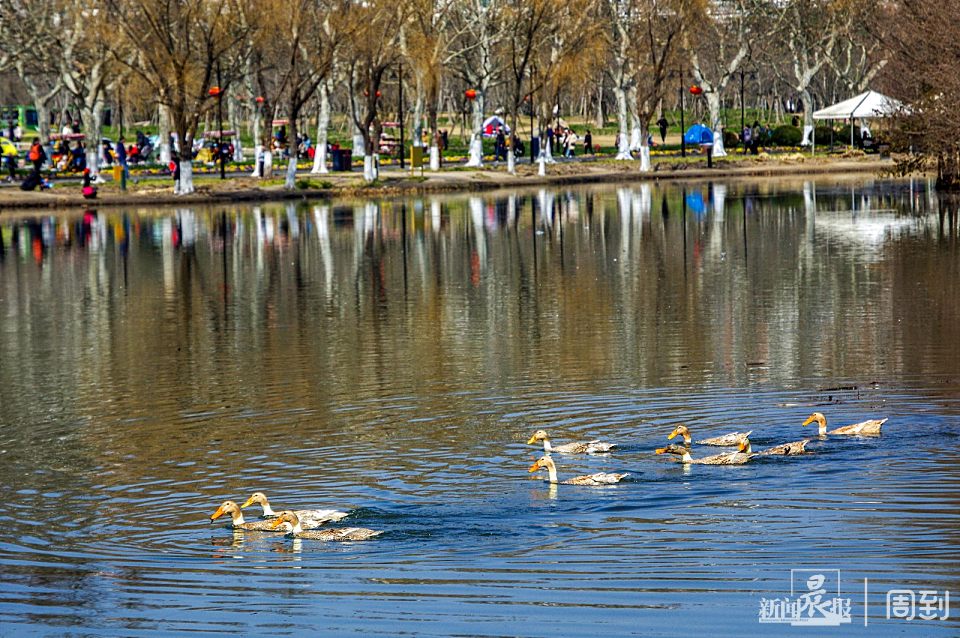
[(698, 134)]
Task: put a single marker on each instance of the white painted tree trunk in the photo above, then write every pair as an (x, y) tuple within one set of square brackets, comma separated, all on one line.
[(543, 166), (267, 170), (92, 121), (476, 141), (291, 179), (186, 177), (257, 157), (369, 171), (359, 148), (645, 159), (434, 157), (163, 118), (235, 125), (511, 163), (623, 146), (418, 115), (718, 150), (323, 123), (547, 152)]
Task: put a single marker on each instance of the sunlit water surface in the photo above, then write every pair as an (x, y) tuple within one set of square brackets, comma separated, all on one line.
[(391, 358)]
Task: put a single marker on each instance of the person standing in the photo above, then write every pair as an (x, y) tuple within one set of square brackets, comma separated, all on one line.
[(37, 155), (587, 143), (662, 123), (500, 145), (122, 161)]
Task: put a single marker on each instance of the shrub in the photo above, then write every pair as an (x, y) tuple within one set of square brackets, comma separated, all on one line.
[(787, 135)]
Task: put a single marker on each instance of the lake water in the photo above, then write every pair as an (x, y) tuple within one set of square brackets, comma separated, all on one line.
[(392, 358)]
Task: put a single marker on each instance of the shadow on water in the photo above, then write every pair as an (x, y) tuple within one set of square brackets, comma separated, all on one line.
[(391, 358)]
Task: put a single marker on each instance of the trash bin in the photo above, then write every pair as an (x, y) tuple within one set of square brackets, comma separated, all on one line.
[(117, 172), (342, 159), (534, 147)]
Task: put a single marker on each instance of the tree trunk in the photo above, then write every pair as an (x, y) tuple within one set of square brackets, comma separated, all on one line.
[(809, 136), (290, 181), (323, 124), (623, 146), (92, 122), (476, 139), (163, 130), (186, 174), (359, 146), (235, 125), (257, 142)]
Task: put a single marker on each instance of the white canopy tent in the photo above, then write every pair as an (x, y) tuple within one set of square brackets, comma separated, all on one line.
[(868, 104)]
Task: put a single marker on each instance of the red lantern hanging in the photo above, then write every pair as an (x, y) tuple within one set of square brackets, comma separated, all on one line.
[(471, 94), (214, 91), (696, 90), (259, 99)]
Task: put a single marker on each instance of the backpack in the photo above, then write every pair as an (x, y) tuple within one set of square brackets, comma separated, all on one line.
[(34, 153), (747, 134)]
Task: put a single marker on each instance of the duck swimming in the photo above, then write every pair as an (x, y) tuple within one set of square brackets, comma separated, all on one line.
[(231, 508), (336, 534), (727, 440), (729, 458), (600, 478), (309, 518), (866, 427), (784, 449), (579, 447)]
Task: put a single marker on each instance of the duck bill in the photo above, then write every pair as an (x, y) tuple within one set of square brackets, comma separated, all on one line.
[(809, 420), (534, 467), (247, 503), (661, 450), (277, 523), (217, 514), (672, 436), (533, 439)]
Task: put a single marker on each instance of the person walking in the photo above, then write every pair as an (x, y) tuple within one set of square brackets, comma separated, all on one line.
[(587, 143), (662, 123), (500, 146)]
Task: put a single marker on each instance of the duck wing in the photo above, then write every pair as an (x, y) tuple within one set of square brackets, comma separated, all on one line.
[(600, 478), (786, 449), (730, 458), (258, 526), (584, 447), (315, 518), (727, 440), (340, 534), (866, 427)]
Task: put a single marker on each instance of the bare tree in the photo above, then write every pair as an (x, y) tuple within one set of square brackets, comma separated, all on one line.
[(187, 39), (925, 45), (371, 52)]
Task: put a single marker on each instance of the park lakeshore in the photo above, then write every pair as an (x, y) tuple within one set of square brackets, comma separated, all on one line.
[(211, 190)]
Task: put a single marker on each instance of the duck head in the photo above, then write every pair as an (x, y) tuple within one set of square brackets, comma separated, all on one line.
[(681, 430), (231, 508), (260, 499), (288, 518), (820, 420), (743, 446), (545, 463), (539, 435), (680, 451)]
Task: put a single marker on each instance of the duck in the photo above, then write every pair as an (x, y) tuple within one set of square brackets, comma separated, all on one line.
[(237, 522), (579, 447), (727, 440), (333, 534), (600, 478), (871, 426), (784, 449), (739, 457), (309, 518)]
